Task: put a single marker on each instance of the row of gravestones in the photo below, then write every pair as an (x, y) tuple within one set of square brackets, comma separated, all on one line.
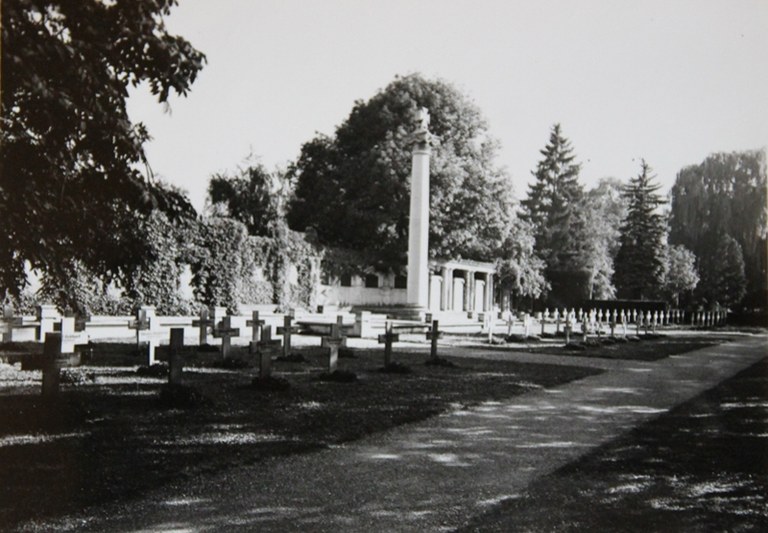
[(594, 320), (59, 347), (148, 332), (392, 334), (46, 317)]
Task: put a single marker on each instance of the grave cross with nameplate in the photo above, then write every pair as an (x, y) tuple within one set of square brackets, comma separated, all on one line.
[(225, 332), (203, 323), (52, 364), (146, 331), (432, 335), (286, 330), (175, 358), (256, 325), (333, 343), (387, 339), (59, 352), (265, 348)]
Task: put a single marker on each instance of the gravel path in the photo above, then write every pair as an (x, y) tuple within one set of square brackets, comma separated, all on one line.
[(435, 475)]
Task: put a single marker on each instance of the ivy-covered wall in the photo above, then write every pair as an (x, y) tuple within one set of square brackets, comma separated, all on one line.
[(157, 282), (229, 268), (227, 259)]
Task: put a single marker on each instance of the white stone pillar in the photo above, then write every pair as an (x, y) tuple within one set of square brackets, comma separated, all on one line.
[(447, 289), (418, 227), (489, 292), (435, 292), (468, 284)]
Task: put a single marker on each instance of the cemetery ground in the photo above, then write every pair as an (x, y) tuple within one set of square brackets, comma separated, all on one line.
[(701, 467), (109, 437)]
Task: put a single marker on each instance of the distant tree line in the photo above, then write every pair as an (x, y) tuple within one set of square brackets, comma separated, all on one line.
[(719, 210), (708, 249)]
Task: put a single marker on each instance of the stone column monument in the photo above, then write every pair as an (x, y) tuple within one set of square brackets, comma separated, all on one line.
[(418, 228)]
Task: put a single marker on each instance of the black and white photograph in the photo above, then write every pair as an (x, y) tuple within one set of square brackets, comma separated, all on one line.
[(383, 266)]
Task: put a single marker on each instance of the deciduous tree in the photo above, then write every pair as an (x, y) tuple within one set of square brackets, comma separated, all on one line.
[(726, 193), (520, 270), (723, 279), (605, 208), (352, 189), (71, 161), (252, 195), (680, 274)]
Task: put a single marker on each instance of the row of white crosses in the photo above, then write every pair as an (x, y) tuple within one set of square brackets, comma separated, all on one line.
[(709, 318), (333, 342), (595, 319), (148, 332), (45, 319)]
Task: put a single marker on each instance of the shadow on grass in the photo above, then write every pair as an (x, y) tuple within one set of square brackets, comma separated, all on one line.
[(700, 467), (107, 438)]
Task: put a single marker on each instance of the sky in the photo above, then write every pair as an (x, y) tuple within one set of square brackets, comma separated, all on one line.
[(670, 81)]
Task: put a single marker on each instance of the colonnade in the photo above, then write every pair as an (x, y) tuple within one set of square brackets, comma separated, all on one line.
[(462, 286)]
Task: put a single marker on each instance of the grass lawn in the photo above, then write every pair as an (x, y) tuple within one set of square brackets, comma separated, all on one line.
[(107, 437), (701, 467), (645, 348)]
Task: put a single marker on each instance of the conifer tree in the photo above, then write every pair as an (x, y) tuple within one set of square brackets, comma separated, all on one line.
[(552, 207), (639, 265)]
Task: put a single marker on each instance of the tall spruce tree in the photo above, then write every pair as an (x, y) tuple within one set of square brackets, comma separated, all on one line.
[(639, 265), (552, 208)]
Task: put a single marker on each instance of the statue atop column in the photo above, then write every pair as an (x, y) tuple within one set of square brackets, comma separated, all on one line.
[(422, 135), (418, 225)]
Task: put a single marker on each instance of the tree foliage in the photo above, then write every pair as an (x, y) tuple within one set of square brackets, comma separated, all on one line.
[(680, 274), (723, 279), (352, 189), (231, 267), (157, 280), (604, 208), (80, 293), (519, 269), (640, 260), (223, 264), (552, 206), (70, 164), (252, 195), (726, 193)]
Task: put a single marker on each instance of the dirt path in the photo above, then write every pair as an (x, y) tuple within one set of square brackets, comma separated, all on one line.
[(434, 475)]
